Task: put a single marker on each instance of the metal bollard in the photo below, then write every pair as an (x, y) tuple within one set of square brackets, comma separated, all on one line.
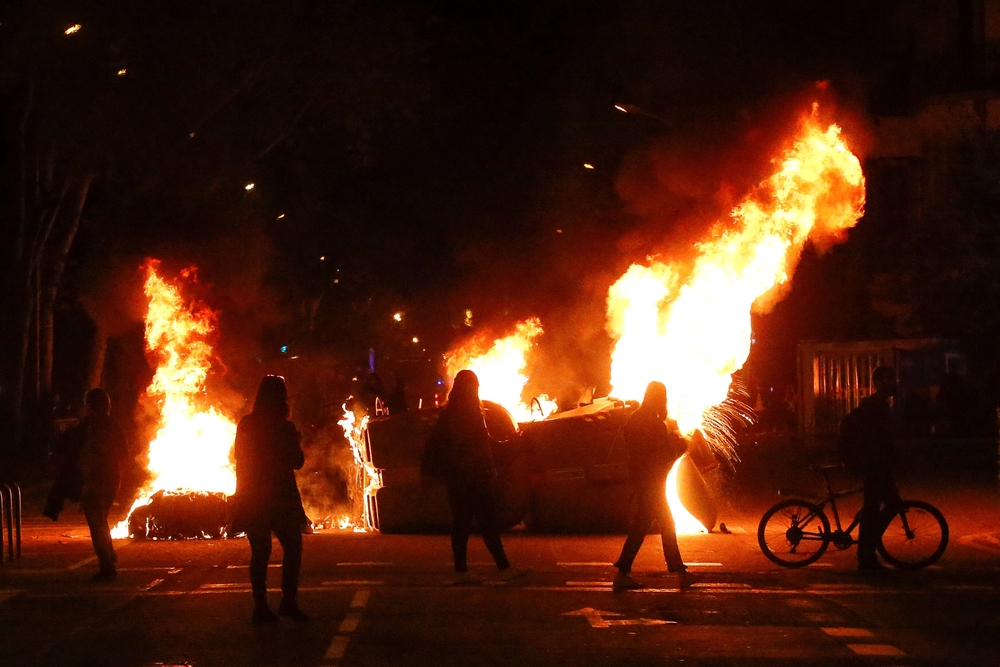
[(10, 509)]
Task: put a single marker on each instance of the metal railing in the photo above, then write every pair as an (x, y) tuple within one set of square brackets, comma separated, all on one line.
[(10, 517)]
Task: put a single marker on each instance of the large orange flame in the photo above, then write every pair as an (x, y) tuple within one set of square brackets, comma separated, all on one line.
[(689, 327), (501, 368), (191, 451)]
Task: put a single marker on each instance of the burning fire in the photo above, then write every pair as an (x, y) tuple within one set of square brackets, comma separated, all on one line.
[(368, 478), (191, 451), (689, 327), (501, 371)]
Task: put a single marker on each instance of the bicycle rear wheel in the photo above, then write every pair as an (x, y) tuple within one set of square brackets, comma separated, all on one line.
[(794, 533), (915, 536)]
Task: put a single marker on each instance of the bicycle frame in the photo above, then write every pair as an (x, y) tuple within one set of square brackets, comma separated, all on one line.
[(831, 500)]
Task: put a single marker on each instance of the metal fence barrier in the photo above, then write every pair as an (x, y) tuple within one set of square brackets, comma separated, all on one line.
[(10, 514)]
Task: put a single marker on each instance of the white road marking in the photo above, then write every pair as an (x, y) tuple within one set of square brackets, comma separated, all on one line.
[(848, 632), (597, 619), (336, 650), (9, 593), (349, 624), (588, 583), (354, 582), (366, 564), (589, 564), (154, 584), (85, 561), (887, 650), (338, 647)]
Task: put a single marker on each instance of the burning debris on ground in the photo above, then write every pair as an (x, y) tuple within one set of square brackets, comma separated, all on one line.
[(180, 516)]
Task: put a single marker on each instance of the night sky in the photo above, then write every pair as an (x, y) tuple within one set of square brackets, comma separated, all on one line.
[(423, 157)]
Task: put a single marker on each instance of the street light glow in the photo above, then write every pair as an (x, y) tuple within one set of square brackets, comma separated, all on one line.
[(587, 165), (249, 186), (398, 317), (416, 340), (121, 72), (73, 29)]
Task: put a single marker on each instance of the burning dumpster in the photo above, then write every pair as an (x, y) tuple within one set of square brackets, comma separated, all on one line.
[(568, 473)]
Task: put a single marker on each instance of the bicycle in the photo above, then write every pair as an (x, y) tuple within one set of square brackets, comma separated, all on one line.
[(796, 532)]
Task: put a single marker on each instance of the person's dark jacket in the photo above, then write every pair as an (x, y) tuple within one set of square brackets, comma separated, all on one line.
[(104, 454), (267, 454), (459, 444), (877, 451), (653, 446)]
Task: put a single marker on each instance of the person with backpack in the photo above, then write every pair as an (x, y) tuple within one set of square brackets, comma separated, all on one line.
[(867, 448), (653, 447)]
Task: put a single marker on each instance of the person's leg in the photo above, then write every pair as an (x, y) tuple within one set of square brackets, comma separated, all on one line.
[(668, 533), (461, 522), (290, 538), (96, 509), (260, 554), (484, 509), (868, 528), (642, 519)]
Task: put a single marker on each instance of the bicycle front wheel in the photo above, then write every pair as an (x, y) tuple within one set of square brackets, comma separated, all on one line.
[(794, 533), (915, 536)]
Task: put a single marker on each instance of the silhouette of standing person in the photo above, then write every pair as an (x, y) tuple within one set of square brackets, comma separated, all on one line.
[(459, 450), (876, 456), (652, 449), (267, 499), (102, 458)]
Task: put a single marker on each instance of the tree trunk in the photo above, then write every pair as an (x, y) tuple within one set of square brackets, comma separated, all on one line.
[(95, 374), (51, 273)]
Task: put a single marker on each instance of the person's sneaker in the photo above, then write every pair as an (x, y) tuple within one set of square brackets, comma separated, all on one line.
[(467, 579), (291, 610), (263, 614), (624, 581), (512, 573)]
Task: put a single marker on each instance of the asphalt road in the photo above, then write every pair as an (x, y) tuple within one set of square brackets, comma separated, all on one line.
[(378, 600)]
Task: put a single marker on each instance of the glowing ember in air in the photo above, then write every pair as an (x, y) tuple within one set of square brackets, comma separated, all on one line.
[(75, 28), (367, 476), (191, 451), (501, 370), (689, 327)]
